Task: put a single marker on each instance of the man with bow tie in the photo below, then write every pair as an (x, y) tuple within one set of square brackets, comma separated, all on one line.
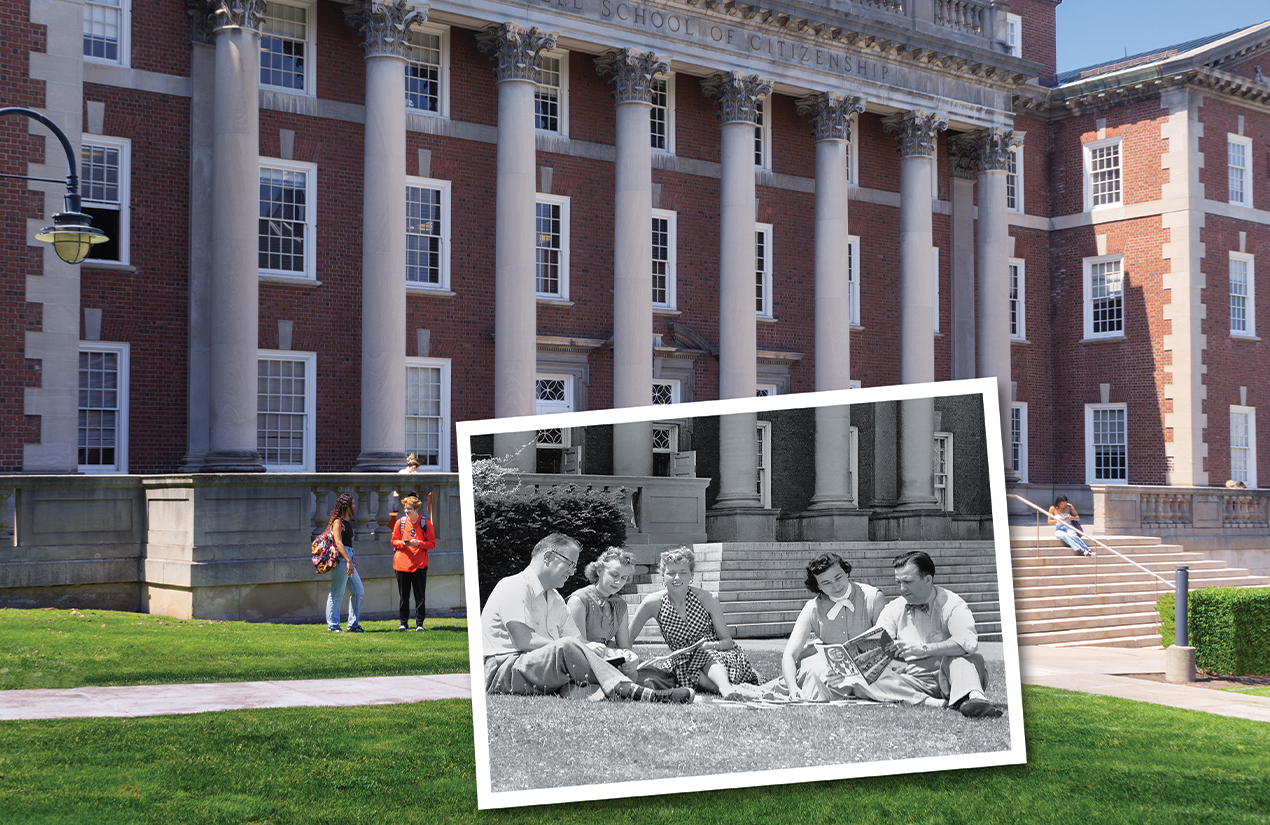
[(935, 643)]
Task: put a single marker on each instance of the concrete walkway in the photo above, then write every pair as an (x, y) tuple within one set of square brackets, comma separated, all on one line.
[(1085, 669), (1096, 669)]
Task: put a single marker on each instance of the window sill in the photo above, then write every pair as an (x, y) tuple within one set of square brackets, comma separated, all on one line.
[(1244, 337), (283, 280), (766, 319), (1101, 339), (559, 303), (667, 312), (107, 266), (1021, 341), (430, 292)]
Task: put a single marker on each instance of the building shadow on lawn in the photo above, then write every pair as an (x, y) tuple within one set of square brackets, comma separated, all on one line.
[(549, 742)]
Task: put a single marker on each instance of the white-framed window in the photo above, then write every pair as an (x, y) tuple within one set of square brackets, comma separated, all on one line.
[(1239, 169), (665, 438), (1018, 440), (1014, 34), (934, 260), (763, 448), (762, 134), (551, 245), (853, 279), (763, 270), (103, 407), (286, 395), (428, 70), (765, 390), (287, 36), (666, 391), (551, 98), (1104, 296), (1242, 295), (1014, 180), (1106, 444), (1018, 330), (428, 412), (942, 461), (665, 242), (1243, 444), (428, 233), (104, 184), (287, 218), (661, 119), (107, 24), (553, 394), (1102, 174)]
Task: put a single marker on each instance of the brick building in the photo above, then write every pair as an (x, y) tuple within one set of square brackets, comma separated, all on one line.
[(338, 228)]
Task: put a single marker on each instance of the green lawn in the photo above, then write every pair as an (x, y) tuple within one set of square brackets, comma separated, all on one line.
[(1091, 760), (68, 648), (1251, 691)]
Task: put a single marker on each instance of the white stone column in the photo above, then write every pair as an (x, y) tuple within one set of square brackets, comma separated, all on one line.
[(632, 77), (386, 28), (737, 95), (515, 308), (831, 113), (963, 155), (916, 135), (994, 272), (235, 286), (202, 175)]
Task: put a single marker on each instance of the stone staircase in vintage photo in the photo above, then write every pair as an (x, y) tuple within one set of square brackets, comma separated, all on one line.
[(1067, 600)]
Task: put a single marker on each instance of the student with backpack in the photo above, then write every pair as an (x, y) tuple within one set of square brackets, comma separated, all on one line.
[(412, 538)]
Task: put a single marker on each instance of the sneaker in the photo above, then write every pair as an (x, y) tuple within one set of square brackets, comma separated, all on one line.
[(356, 629), (335, 629), (631, 692), (403, 627), (420, 627)]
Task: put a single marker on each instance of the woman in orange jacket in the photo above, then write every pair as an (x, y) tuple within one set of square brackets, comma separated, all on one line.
[(412, 538)]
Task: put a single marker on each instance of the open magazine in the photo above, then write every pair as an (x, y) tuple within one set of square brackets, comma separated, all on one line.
[(859, 659)]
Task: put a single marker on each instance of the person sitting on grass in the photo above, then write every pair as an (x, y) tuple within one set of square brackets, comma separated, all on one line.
[(531, 644), (691, 616), (600, 613), (841, 610), (935, 644)]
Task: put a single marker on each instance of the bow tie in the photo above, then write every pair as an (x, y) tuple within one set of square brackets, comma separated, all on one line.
[(925, 608)]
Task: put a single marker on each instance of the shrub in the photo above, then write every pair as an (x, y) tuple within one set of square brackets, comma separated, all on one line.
[(509, 522), (1228, 627)]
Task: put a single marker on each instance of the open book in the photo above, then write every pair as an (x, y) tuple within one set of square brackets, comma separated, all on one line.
[(860, 659)]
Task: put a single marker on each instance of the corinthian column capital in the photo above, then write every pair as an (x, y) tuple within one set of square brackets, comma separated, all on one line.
[(516, 50), (385, 25), (915, 131), (963, 150), (632, 73), (994, 145), (831, 114), (233, 14), (737, 94)]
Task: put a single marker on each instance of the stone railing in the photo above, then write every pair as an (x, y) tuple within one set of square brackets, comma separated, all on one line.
[(1181, 511), (232, 546), (967, 16)]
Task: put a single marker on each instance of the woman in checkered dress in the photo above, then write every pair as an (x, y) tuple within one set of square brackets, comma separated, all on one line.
[(687, 615)]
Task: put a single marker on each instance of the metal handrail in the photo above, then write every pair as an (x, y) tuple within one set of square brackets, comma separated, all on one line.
[(1096, 541)]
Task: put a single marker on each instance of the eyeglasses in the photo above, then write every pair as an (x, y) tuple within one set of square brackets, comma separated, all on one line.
[(573, 565)]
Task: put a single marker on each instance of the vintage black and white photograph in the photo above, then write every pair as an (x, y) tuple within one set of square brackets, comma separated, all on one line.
[(747, 592)]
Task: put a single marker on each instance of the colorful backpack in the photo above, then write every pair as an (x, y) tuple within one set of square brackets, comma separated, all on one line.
[(325, 554)]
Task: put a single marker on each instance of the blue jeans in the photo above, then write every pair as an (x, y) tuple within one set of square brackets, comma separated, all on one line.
[(1071, 538), (339, 580)]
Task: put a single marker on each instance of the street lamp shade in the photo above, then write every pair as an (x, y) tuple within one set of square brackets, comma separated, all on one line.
[(72, 235)]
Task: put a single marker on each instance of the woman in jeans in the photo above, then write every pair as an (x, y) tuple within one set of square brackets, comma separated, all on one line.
[(1064, 516), (344, 575)]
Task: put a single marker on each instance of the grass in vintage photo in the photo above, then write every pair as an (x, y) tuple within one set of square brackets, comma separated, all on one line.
[(621, 741), (50, 648)]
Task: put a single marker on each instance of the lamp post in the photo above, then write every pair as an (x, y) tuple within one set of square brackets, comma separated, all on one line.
[(72, 233)]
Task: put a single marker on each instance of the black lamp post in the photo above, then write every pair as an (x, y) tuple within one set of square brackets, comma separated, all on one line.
[(72, 233)]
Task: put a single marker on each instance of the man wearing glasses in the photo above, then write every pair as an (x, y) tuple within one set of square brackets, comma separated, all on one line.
[(532, 645)]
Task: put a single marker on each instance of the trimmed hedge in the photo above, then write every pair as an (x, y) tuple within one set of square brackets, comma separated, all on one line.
[(510, 522), (1228, 628)]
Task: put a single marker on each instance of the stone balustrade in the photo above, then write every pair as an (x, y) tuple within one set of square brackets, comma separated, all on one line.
[(223, 546), (1229, 517)]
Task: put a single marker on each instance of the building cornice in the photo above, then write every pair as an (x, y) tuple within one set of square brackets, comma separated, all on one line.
[(1099, 93)]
